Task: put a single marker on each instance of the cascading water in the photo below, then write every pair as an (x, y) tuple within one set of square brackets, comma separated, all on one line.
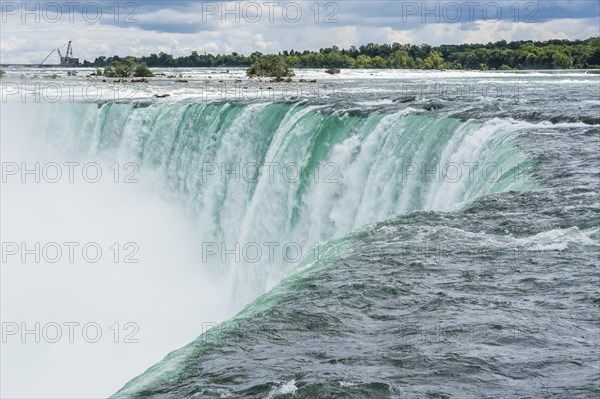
[(282, 179), (311, 247), (294, 173)]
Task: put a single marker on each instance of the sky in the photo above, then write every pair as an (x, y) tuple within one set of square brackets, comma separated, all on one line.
[(30, 30)]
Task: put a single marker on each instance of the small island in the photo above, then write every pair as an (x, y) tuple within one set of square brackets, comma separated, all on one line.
[(126, 68), (272, 66)]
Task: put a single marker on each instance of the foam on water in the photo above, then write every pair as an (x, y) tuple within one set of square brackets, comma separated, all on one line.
[(353, 170)]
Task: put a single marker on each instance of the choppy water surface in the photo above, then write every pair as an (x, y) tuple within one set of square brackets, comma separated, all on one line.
[(457, 240)]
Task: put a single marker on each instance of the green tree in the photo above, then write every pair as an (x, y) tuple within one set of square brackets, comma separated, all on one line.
[(434, 60), (364, 61), (142, 71), (400, 59), (125, 69), (378, 62), (273, 66), (561, 60), (499, 55)]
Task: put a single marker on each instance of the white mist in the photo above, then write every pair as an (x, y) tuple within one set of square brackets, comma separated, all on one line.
[(166, 296)]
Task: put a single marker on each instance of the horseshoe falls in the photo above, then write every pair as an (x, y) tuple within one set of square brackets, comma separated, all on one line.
[(368, 245)]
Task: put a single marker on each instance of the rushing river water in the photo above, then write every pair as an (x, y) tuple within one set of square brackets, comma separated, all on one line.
[(374, 234)]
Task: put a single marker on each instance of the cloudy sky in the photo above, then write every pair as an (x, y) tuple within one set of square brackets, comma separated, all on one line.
[(30, 30)]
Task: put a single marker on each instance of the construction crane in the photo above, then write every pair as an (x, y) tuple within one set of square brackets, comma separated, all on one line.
[(68, 59), (52, 52)]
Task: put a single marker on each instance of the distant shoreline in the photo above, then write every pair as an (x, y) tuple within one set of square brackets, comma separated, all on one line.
[(523, 71), (557, 54)]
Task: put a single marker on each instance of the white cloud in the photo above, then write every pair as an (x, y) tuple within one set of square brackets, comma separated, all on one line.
[(484, 32), (31, 42)]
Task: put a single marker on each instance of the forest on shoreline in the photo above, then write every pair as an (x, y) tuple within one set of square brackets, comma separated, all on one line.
[(501, 55)]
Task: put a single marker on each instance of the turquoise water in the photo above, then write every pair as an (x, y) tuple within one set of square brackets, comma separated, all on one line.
[(442, 247)]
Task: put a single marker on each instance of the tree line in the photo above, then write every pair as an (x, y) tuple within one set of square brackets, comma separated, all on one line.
[(551, 54)]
